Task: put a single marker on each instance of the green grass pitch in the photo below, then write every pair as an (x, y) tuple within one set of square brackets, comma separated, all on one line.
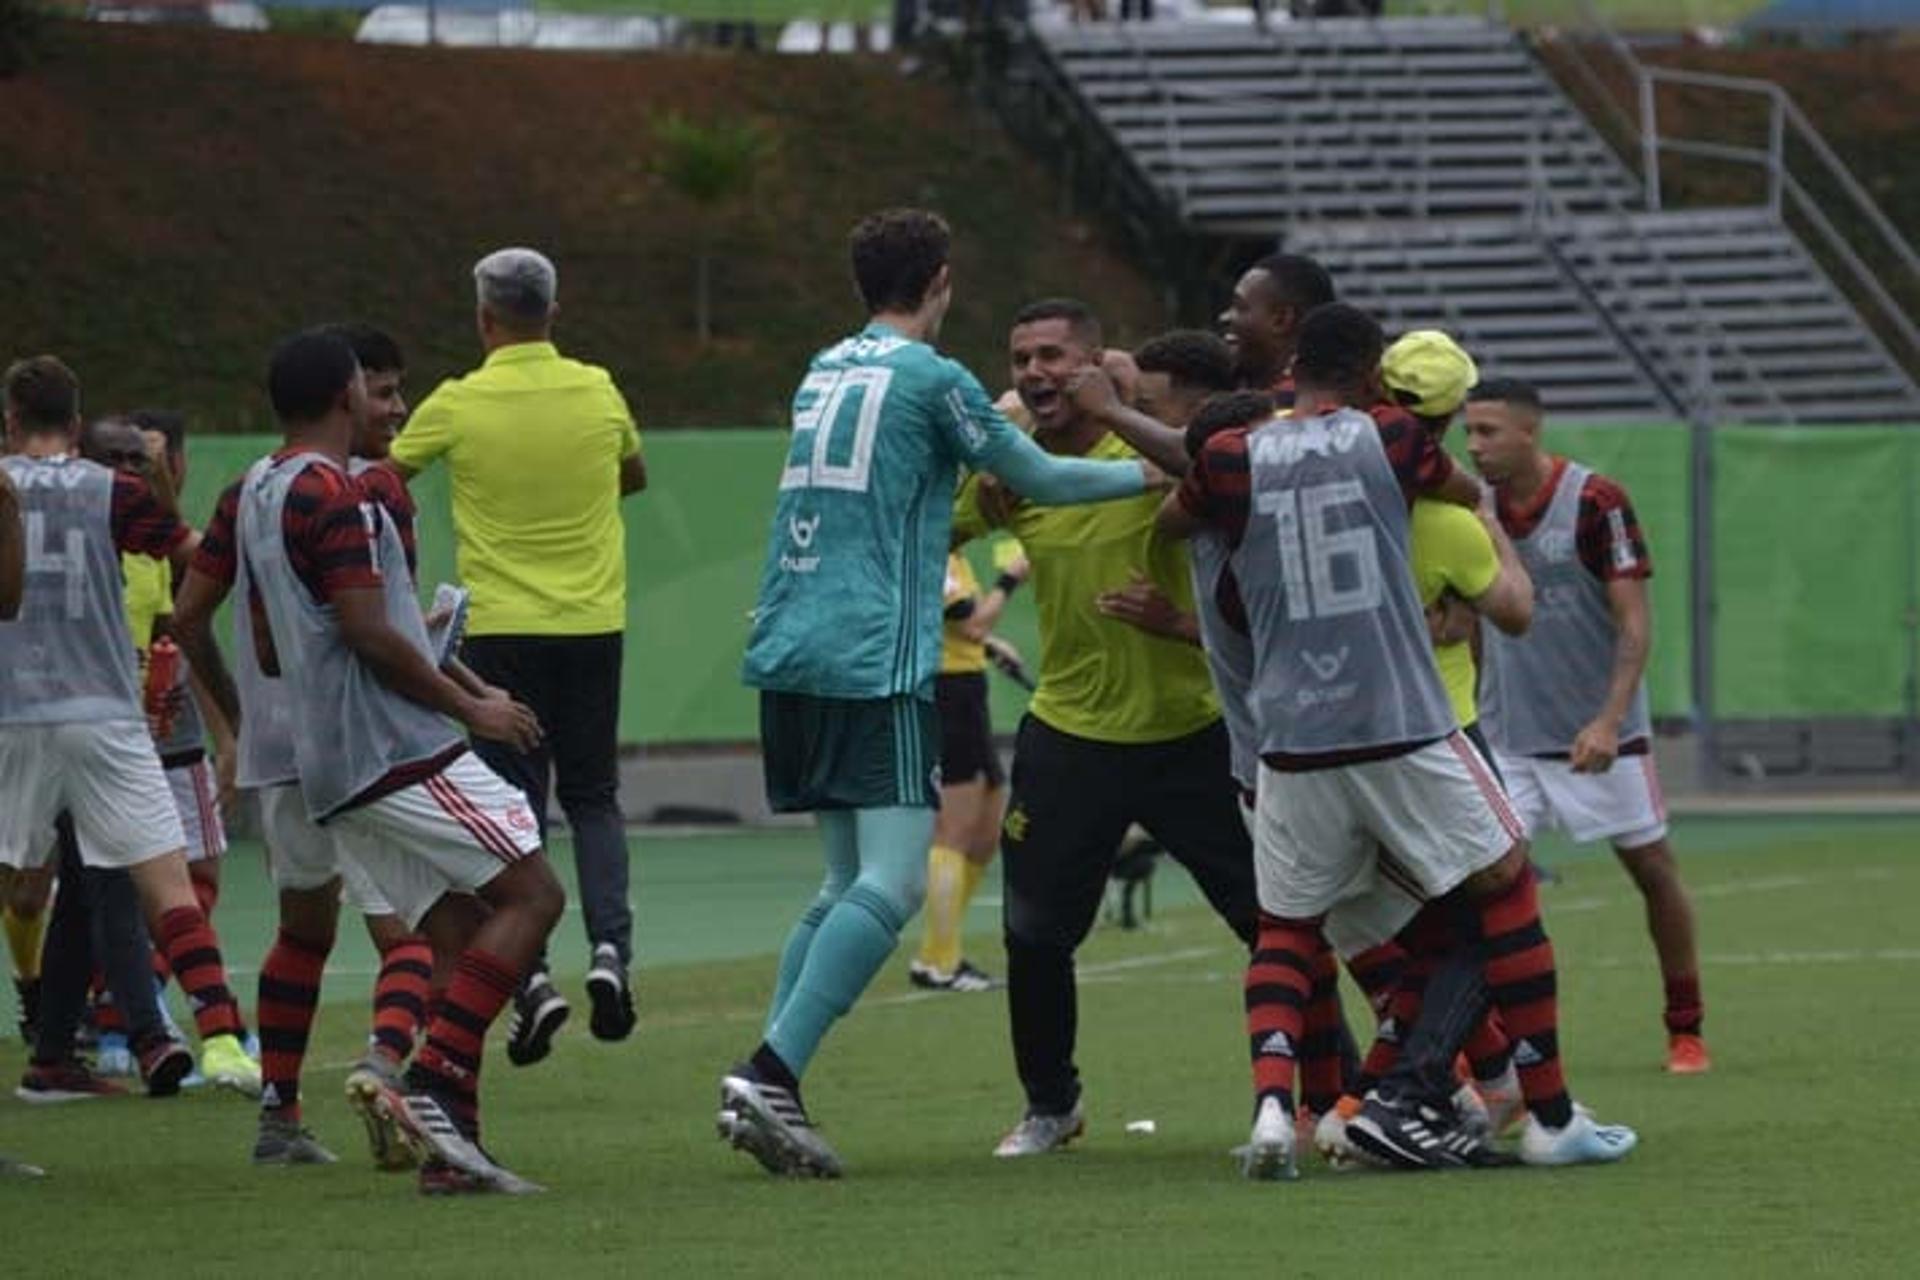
[(1795, 1157)]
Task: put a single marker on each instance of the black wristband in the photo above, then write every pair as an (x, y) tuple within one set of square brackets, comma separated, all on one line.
[(1007, 583)]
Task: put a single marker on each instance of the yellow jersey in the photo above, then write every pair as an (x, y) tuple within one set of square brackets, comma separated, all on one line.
[(1452, 549), (960, 654), (1101, 678), (535, 442), (149, 594)]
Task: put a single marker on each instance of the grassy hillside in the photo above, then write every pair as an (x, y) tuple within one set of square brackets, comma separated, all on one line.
[(173, 200)]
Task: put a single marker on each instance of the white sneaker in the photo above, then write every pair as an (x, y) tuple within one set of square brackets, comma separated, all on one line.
[(1579, 1141), (1036, 1135), (1268, 1155), (1502, 1100)]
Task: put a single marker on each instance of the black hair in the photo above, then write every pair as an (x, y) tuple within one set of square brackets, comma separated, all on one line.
[(1339, 347), (168, 422), (307, 373), (374, 348), (1298, 281), (1513, 391), (1078, 315), (43, 391), (1190, 358), (1226, 412), (896, 254)]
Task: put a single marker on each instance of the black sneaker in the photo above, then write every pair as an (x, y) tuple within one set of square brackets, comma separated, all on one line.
[(27, 990), (612, 996), (1418, 1136), (539, 1011)]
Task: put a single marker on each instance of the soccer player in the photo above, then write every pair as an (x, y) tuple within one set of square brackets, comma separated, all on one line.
[(1124, 728), (845, 644), (1363, 770), (72, 735), (966, 830), (305, 861), (542, 450), (1262, 322), (453, 848), (1566, 706)]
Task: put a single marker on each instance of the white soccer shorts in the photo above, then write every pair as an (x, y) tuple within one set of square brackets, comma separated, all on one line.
[(1424, 821), (302, 854), (1378, 910), (105, 774), (450, 834), (197, 799), (1623, 806)]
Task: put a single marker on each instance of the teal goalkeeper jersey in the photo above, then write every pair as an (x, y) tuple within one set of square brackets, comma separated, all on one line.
[(850, 596)]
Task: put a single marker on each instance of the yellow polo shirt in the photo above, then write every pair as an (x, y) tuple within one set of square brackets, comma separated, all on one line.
[(1452, 549), (149, 594), (1101, 678), (960, 654), (534, 442)]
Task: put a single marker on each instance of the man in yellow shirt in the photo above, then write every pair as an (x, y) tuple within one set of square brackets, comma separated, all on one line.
[(1123, 728), (541, 450)]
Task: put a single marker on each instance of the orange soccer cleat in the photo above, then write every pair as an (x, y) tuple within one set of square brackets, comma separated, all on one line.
[(1687, 1056)]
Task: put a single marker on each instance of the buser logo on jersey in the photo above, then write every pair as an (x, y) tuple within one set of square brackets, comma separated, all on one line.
[(802, 532)]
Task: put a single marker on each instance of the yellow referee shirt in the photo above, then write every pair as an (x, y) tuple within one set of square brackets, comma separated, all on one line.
[(1101, 678), (959, 652), (1451, 548), (149, 594), (535, 442)]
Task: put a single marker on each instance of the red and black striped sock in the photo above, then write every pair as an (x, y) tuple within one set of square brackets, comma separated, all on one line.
[(1524, 988), (1402, 1012), (1487, 1048), (401, 996), (289, 997), (1322, 1071), (448, 1063), (1279, 981), (1377, 972), (207, 894), (194, 954), (1686, 1011)]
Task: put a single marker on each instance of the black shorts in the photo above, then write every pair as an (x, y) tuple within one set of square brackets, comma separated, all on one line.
[(849, 753), (966, 729)]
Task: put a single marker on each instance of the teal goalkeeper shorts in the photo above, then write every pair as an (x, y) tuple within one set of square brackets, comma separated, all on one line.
[(849, 753)]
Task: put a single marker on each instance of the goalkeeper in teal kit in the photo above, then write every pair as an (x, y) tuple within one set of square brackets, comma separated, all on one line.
[(846, 643)]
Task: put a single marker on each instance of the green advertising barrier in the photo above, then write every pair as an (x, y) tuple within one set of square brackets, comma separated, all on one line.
[(1815, 571), (1813, 552)]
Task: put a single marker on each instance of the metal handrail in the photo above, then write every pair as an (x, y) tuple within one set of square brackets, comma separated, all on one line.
[(1786, 121)]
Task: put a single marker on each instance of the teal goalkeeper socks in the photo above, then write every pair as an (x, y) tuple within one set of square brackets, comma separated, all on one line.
[(857, 934), (839, 845)]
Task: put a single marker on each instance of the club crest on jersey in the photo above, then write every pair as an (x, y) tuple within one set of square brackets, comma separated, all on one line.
[(519, 818), (1016, 824), (1555, 546)]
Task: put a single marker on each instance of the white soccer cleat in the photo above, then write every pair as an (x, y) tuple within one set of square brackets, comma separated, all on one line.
[(1037, 1134), (1502, 1100), (1579, 1141), (1268, 1155), (1335, 1147)]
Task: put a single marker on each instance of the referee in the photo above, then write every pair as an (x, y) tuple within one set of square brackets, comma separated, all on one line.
[(542, 449)]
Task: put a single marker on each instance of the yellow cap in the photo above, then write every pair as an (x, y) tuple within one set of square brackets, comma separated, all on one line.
[(1429, 373)]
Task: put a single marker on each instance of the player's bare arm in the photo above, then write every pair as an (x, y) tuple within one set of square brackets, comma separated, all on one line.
[(1597, 745), (192, 621), (1174, 520), (1508, 603), (1093, 392), (362, 616), (980, 621), (1141, 603), (633, 475), (13, 551)]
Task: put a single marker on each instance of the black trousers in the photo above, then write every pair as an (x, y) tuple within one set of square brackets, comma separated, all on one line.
[(96, 917), (1073, 799), (573, 684)]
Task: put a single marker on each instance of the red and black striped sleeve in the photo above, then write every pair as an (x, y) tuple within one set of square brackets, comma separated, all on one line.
[(383, 485), (1608, 534), (1418, 461), (1219, 486), (218, 553), (331, 532), (142, 524)]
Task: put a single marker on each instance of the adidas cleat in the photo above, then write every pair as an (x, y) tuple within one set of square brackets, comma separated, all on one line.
[(1335, 1147), (1268, 1155), (1037, 1134), (384, 1139), (770, 1124), (164, 1063), (1401, 1136), (611, 995)]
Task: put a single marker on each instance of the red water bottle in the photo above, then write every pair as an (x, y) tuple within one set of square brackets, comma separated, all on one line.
[(163, 673)]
